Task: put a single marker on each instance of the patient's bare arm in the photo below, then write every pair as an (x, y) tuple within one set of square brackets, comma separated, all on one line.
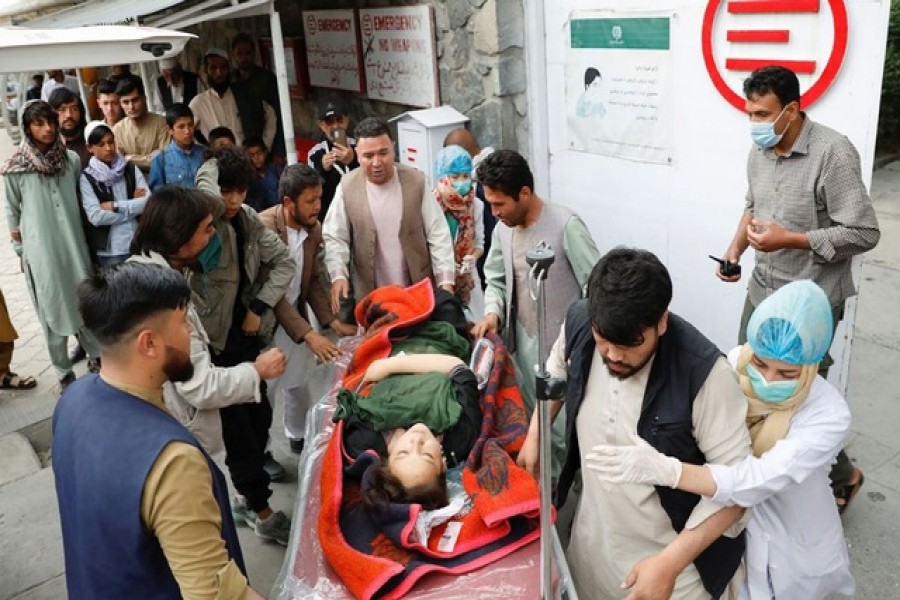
[(412, 363)]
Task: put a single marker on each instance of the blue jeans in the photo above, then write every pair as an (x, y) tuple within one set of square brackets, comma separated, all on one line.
[(108, 261)]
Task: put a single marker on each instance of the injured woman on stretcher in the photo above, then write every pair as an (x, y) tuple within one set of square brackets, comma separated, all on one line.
[(421, 416), (418, 475)]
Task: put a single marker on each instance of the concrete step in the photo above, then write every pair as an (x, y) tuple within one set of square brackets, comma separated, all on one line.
[(30, 539), (17, 458)]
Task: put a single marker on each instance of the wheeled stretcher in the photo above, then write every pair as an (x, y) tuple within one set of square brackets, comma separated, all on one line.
[(307, 575)]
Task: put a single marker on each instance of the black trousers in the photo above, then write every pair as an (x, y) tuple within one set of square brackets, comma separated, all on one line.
[(245, 428)]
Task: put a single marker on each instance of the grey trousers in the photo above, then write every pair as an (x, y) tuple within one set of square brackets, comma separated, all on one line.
[(58, 348)]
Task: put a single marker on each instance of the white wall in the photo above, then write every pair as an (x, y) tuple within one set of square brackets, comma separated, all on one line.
[(688, 210)]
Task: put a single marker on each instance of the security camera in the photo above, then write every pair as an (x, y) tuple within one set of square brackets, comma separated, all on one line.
[(157, 49)]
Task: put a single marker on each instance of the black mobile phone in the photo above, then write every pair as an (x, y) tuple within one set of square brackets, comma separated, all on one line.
[(339, 137), (726, 268)]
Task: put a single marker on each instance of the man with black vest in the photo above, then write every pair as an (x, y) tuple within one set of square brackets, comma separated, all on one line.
[(175, 84), (635, 369), (384, 225), (162, 495)]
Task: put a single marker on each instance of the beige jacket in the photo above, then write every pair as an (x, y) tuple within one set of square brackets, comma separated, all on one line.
[(196, 402), (294, 318)]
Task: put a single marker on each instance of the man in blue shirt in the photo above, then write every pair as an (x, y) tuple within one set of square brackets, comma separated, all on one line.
[(177, 164)]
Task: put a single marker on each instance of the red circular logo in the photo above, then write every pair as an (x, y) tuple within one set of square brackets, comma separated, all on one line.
[(311, 24), (819, 85)]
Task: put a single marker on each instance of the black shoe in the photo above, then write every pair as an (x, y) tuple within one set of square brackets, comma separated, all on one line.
[(66, 381), (271, 466), (296, 446), (78, 354), (93, 365)]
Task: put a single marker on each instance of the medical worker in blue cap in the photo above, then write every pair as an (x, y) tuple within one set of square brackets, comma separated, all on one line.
[(798, 422), (455, 193)]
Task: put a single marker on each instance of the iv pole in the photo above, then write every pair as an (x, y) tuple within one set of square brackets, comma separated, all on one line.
[(540, 258)]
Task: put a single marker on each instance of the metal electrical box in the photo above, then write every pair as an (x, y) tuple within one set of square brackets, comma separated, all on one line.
[(421, 133)]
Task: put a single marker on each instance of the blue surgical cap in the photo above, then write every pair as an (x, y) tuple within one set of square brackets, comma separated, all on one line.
[(452, 160), (793, 325)]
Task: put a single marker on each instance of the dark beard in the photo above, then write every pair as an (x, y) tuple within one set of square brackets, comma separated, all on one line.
[(71, 134), (220, 88), (178, 366), (631, 369)]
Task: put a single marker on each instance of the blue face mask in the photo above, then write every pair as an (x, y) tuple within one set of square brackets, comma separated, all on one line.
[(764, 135), (209, 256), (770, 391), (462, 187)]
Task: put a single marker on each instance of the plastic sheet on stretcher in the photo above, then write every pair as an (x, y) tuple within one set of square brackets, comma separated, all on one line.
[(306, 575)]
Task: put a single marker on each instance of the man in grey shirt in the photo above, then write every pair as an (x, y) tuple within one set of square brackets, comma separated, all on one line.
[(807, 213)]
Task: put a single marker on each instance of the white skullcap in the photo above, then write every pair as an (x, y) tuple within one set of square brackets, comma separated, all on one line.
[(216, 52), (90, 127)]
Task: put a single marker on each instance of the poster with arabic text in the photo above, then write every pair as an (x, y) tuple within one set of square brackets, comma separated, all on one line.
[(619, 85), (399, 55), (332, 49)]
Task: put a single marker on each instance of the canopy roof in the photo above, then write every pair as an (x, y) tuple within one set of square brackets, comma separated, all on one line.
[(150, 12), (24, 50), (100, 12)]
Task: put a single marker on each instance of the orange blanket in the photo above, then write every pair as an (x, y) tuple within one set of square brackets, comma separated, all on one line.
[(376, 555)]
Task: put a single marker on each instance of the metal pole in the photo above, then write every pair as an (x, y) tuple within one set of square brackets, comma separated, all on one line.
[(82, 91), (4, 112), (543, 409), (284, 98), (540, 258)]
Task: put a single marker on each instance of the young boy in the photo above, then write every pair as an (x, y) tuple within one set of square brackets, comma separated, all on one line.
[(236, 306), (177, 164), (221, 137), (263, 192)]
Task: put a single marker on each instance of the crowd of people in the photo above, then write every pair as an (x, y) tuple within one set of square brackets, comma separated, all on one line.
[(175, 247)]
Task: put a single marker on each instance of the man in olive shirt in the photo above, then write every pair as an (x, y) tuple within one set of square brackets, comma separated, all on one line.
[(163, 496), (807, 213)]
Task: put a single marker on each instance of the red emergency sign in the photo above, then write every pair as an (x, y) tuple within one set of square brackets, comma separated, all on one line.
[(733, 61)]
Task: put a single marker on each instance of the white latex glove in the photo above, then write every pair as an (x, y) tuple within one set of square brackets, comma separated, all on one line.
[(468, 264), (640, 463)]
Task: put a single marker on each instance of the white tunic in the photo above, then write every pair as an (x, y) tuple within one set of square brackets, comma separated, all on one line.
[(617, 525), (795, 532)]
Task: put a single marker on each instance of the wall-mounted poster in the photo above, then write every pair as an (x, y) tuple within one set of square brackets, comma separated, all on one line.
[(619, 86), (399, 55), (294, 59), (332, 49)]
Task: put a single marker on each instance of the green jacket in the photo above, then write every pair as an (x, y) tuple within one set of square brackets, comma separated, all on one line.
[(267, 265)]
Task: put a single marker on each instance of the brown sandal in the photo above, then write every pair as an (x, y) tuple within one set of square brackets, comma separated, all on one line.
[(13, 381)]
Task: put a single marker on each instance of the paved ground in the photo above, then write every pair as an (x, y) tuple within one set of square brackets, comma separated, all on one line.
[(31, 559), (31, 562)]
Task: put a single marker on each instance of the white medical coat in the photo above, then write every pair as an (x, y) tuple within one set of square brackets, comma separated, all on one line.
[(795, 532)]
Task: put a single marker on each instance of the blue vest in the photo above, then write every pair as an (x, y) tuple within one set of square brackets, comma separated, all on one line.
[(105, 441), (683, 361)]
